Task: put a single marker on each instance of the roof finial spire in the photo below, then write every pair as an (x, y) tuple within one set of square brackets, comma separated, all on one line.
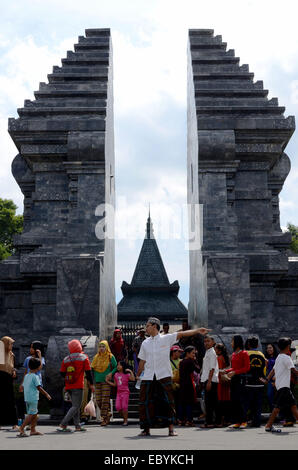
[(149, 228)]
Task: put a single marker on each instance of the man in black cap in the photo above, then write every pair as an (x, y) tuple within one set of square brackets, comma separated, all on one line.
[(154, 358)]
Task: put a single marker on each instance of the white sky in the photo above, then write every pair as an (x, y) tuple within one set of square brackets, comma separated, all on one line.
[(149, 42)]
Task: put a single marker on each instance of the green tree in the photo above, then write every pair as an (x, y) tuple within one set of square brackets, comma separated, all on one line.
[(293, 229), (10, 224)]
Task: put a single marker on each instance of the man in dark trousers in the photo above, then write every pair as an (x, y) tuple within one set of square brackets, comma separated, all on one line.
[(154, 358)]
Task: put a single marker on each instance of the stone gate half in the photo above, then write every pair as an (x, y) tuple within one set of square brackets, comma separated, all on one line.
[(241, 274), (62, 275)]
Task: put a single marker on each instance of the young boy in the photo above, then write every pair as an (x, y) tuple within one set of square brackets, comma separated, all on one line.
[(209, 380), (32, 388), (284, 397)]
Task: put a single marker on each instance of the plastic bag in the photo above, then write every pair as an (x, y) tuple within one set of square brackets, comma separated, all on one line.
[(90, 408), (2, 353)]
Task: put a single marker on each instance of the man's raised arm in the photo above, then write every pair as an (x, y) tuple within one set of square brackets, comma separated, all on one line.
[(197, 331)]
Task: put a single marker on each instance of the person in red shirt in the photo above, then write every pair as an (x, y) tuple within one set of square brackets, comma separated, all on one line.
[(240, 365), (73, 368), (117, 346)]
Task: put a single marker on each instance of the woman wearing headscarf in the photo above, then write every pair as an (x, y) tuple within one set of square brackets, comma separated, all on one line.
[(8, 412), (103, 365), (187, 397), (117, 346)]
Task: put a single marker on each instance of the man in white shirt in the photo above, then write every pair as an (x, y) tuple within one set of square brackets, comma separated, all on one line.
[(282, 369), (154, 358), (209, 380)]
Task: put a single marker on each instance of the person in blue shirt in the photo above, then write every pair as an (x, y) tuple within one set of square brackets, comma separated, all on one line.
[(271, 355), (37, 351), (32, 388)]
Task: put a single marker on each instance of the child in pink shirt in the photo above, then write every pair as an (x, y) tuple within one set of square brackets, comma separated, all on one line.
[(121, 379)]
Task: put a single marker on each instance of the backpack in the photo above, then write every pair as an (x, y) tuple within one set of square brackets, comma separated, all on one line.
[(71, 374), (257, 368)]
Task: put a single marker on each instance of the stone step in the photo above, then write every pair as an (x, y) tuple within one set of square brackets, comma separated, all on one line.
[(78, 77), (53, 93), (229, 85), (219, 69), (235, 101), (85, 60), (241, 93), (240, 110), (71, 89), (223, 76), (56, 125), (207, 60), (104, 46), (89, 87), (54, 101), (212, 54), (200, 32), (86, 55), (97, 32), (194, 46), (48, 111), (198, 39), (75, 69), (280, 125), (94, 39)]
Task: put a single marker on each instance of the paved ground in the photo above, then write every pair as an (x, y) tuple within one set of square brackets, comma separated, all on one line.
[(116, 437)]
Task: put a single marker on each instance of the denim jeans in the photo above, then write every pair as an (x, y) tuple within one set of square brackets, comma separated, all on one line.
[(74, 411)]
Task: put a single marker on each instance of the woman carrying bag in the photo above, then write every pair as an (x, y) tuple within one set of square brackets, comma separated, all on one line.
[(103, 365), (8, 412)]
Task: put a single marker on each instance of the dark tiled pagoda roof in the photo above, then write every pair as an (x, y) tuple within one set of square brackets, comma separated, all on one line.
[(150, 291)]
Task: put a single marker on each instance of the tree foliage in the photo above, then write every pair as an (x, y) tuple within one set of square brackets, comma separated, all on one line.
[(10, 224), (293, 229)]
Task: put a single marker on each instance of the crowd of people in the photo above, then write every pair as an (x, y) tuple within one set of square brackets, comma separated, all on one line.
[(179, 375)]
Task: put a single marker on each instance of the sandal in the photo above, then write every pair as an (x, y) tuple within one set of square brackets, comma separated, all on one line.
[(22, 434), (66, 430), (172, 433), (273, 429), (190, 424)]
